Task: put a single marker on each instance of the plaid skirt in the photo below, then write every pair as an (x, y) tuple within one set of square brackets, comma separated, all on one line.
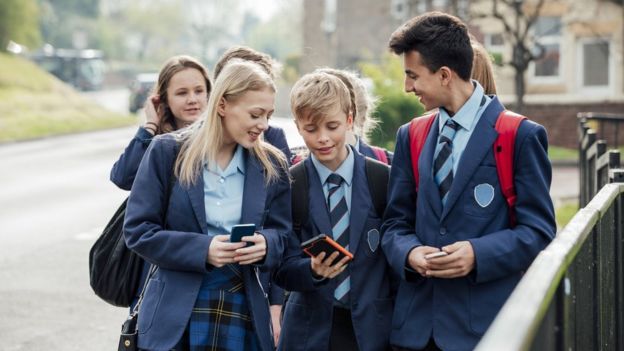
[(220, 320)]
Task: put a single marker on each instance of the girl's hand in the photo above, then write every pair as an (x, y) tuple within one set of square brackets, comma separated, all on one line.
[(222, 251), (326, 268), (154, 112), (254, 253)]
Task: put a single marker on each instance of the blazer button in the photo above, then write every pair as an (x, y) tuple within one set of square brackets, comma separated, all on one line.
[(443, 231)]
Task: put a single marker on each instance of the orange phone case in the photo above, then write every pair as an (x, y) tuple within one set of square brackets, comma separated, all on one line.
[(323, 243)]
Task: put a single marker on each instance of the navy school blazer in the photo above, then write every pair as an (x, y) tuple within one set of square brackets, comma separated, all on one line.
[(308, 311), (367, 150), (457, 312), (180, 249)]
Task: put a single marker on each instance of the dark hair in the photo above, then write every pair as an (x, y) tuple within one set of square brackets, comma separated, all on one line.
[(172, 66), (247, 54), (439, 38)]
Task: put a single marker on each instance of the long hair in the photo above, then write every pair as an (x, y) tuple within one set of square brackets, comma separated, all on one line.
[(172, 66), (482, 70), (201, 140)]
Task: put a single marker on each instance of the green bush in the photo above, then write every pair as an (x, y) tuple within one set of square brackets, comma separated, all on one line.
[(394, 106)]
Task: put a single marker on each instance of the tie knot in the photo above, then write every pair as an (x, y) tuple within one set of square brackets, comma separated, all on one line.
[(451, 124), (334, 180)]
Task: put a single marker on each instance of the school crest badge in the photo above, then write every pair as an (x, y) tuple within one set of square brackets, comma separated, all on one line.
[(484, 194)]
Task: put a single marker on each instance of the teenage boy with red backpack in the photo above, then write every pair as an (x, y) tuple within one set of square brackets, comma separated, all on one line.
[(455, 206)]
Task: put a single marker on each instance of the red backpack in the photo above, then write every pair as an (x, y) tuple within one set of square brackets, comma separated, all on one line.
[(506, 125)]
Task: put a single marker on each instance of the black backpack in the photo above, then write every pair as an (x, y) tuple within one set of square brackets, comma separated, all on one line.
[(377, 174)]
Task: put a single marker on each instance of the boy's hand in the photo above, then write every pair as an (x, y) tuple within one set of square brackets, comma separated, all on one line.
[(416, 258), (327, 268), (459, 262)]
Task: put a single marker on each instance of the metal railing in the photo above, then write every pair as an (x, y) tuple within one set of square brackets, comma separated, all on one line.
[(572, 296)]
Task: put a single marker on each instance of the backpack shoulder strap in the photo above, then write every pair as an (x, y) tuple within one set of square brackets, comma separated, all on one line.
[(299, 197), (377, 174), (380, 154), (507, 126), (418, 130)]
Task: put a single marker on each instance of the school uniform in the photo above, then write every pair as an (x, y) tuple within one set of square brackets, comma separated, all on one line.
[(179, 296), (455, 313), (125, 169), (312, 309), (367, 151)]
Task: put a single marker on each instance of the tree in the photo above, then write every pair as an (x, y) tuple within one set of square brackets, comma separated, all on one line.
[(517, 31), (394, 106), (19, 23)]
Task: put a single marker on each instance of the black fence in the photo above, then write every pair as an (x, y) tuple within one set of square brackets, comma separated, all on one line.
[(572, 296)]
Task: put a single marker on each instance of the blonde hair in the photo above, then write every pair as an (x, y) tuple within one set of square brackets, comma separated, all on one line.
[(363, 103), (169, 69), (482, 70), (201, 141), (317, 94)]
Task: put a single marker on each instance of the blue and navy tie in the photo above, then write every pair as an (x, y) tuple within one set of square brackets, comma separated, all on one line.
[(339, 217), (443, 159)]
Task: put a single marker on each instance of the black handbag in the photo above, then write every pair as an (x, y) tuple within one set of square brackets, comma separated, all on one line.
[(114, 270), (129, 332)]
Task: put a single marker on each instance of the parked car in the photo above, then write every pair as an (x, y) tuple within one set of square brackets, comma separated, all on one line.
[(140, 89)]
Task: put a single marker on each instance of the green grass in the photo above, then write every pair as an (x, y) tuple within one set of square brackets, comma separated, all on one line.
[(36, 104), (564, 213), (562, 153)]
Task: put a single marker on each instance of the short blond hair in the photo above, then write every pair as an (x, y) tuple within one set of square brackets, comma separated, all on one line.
[(362, 102), (317, 94)]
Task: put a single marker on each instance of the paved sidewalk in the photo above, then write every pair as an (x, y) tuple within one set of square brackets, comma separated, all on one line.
[(565, 184)]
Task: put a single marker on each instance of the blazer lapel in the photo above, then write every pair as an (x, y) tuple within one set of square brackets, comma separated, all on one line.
[(196, 195), (254, 191), (318, 204), (428, 187), (479, 144), (360, 203)]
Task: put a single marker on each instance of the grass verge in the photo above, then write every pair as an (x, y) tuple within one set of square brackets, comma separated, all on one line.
[(35, 104)]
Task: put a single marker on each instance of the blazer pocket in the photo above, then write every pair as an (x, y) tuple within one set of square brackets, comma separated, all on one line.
[(149, 306)]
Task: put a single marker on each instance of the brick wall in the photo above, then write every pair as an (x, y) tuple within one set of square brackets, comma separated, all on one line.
[(561, 123)]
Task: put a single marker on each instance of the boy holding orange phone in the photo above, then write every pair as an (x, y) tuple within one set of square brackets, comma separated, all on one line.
[(335, 303)]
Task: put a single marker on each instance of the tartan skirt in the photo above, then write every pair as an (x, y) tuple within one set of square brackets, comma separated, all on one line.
[(220, 320)]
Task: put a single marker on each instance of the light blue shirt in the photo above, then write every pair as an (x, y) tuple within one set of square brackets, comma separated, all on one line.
[(223, 194), (467, 118), (345, 170)]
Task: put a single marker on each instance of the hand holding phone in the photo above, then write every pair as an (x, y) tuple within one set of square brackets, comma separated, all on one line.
[(435, 254), (323, 243), (241, 230)]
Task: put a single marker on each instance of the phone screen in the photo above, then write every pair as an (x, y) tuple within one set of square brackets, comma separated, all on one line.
[(241, 230)]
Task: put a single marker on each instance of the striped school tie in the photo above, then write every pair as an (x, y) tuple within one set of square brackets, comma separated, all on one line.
[(443, 159), (339, 217)]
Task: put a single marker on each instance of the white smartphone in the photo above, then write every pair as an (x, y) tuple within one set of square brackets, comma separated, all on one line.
[(435, 254)]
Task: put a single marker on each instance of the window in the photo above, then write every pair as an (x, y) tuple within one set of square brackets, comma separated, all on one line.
[(547, 31), (398, 9), (329, 17), (595, 63)]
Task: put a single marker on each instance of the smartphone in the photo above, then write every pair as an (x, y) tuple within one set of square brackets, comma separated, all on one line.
[(241, 230), (435, 254), (323, 243)]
